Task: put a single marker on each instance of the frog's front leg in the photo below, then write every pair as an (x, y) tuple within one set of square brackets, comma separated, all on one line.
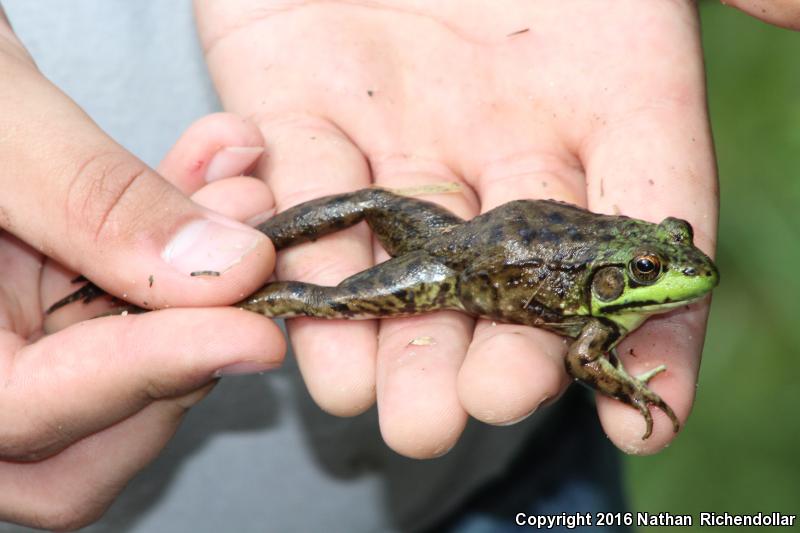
[(588, 362), (407, 285)]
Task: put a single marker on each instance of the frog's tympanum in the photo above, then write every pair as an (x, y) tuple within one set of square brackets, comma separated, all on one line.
[(593, 278)]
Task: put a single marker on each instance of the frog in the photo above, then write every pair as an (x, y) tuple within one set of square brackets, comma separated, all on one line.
[(592, 278)]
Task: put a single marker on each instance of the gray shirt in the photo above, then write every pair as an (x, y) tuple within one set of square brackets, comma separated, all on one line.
[(257, 454)]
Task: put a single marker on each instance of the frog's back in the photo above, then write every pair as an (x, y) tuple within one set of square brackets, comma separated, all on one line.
[(522, 231)]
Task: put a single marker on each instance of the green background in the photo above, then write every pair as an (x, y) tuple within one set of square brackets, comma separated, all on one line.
[(740, 451)]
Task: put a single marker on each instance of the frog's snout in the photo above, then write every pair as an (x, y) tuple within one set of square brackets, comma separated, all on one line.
[(706, 275)]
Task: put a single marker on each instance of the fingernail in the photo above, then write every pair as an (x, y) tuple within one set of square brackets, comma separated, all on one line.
[(244, 367), (210, 246), (231, 161), (260, 218), (516, 420), (519, 419)]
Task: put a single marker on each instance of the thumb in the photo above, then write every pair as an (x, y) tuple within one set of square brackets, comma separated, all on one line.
[(73, 193)]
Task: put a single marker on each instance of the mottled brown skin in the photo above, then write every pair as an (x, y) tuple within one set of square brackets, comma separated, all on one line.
[(531, 262)]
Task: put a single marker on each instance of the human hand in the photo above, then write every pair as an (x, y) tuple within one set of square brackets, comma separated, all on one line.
[(85, 408), (599, 104), (784, 13)]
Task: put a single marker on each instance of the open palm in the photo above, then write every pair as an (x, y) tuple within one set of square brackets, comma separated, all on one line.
[(595, 103)]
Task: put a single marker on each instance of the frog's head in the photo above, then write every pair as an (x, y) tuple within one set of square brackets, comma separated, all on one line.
[(657, 268)]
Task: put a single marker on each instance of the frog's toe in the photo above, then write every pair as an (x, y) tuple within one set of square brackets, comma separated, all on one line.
[(642, 405), (646, 397), (650, 374), (87, 293), (676, 425)]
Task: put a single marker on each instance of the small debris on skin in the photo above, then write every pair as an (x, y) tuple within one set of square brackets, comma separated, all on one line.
[(632, 353), (212, 273), (124, 313), (150, 280), (518, 32), (422, 341), (370, 93)]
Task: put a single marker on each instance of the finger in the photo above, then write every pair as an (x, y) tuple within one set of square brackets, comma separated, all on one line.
[(217, 146), (73, 488), (419, 357), (310, 158), (650, 164), (98, 210), (109, 368), (418, 360), (19, 286), (244, 199), (511, 370)]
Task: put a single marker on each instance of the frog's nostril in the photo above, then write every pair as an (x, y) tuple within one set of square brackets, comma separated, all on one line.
[(689, 271)]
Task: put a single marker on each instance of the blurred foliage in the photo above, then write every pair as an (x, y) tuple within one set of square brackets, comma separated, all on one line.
[(739, 450)]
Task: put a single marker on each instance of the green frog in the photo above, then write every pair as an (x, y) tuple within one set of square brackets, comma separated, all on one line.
[(593, 278)]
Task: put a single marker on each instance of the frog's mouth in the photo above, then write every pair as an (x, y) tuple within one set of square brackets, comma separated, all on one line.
[(647, 307), (631, 315)]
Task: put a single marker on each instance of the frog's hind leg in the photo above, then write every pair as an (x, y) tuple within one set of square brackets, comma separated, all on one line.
[(407, 285), (401, 223)]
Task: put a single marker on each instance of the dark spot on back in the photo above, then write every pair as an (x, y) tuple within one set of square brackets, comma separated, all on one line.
[(497, 233), (527, 234), (545, 235), (574, 234), (601, 224)]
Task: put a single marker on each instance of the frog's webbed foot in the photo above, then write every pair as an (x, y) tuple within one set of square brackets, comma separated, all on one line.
[(87, 293), (633, 390), (593, 364)]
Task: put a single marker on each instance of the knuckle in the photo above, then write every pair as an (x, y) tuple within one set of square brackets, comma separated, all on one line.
[(101, 194), (155, 390)]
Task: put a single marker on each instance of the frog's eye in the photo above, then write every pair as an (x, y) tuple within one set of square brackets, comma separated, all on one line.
[(645, 268)]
